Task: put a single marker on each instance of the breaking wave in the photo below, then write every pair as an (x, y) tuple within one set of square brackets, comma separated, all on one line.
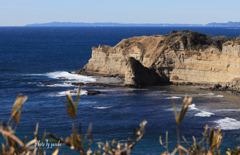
[(70, 76), (227, 110), (102, 107), (200, 113), (173, 97), (61, 85), (72, 93), (228, 124), (210, 95)]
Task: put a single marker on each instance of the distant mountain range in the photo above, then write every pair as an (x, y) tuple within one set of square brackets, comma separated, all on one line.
[(228, 24), (69, 24)]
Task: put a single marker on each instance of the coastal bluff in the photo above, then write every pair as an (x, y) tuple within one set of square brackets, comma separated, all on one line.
[(178, 57)]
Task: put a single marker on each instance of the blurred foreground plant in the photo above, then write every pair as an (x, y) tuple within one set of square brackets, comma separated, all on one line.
[(209, 145), (13, 144), (117, 148), (76, 141), (179, 118)]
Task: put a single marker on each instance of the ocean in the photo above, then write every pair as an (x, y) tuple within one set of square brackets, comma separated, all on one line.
[(33, 56)]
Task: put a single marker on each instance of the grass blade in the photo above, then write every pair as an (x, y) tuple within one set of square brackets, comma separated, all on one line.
[(175, 111)]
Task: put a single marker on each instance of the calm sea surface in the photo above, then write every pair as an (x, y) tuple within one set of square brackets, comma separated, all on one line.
[(33, 56)]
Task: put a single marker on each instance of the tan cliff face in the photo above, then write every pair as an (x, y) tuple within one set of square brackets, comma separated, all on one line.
[(182, 56), (207, 68)]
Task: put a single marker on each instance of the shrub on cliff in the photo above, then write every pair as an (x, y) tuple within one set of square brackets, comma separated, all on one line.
[(196, 39), (192, 40), (218, 41), (232, 41)]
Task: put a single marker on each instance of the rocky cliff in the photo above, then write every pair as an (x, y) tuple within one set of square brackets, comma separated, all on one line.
[(179, 57)]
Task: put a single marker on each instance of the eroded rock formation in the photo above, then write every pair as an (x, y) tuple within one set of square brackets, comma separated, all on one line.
[(178, 57)]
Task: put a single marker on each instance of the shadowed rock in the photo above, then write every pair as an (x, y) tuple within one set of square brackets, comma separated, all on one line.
[(78, 83), (48, 84), (94, 92), (100, 85), (137, 74)]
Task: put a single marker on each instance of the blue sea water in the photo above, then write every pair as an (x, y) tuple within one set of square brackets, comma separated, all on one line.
[(33, 56)]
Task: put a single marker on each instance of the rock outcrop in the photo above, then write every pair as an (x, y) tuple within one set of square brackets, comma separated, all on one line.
[(137, 74), (178, 57), (231, 48)]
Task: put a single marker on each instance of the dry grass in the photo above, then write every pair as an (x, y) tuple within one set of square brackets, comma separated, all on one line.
[(209, 144)]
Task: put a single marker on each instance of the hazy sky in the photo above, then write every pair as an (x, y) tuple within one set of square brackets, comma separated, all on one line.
[(22, 12)]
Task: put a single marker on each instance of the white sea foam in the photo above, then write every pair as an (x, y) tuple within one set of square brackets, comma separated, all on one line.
[(33, 74), (70, 76), (61, 85), (210, 95), (73, 93), (88, 102), (200, 113), (192, 107), (228, 124), (219, 96), (102, 107), (227, 110), (34, 83), (214, 96), (173, 97), (136, 89), (196, 95), (172, 109), (204, 114)]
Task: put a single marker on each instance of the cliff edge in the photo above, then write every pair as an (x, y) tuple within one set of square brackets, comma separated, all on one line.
[(179, 57)]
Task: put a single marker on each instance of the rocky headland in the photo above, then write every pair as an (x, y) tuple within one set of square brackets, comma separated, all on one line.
[(181, 57)]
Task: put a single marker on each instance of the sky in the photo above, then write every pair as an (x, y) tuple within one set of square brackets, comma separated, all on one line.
[(22, 12)]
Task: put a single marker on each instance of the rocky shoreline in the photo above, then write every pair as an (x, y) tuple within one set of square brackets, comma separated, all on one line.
[(202, 86), (179, 58)]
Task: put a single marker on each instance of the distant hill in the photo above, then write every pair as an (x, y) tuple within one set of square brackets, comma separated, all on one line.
[(228, 24), (81, 24), (68, 24)]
